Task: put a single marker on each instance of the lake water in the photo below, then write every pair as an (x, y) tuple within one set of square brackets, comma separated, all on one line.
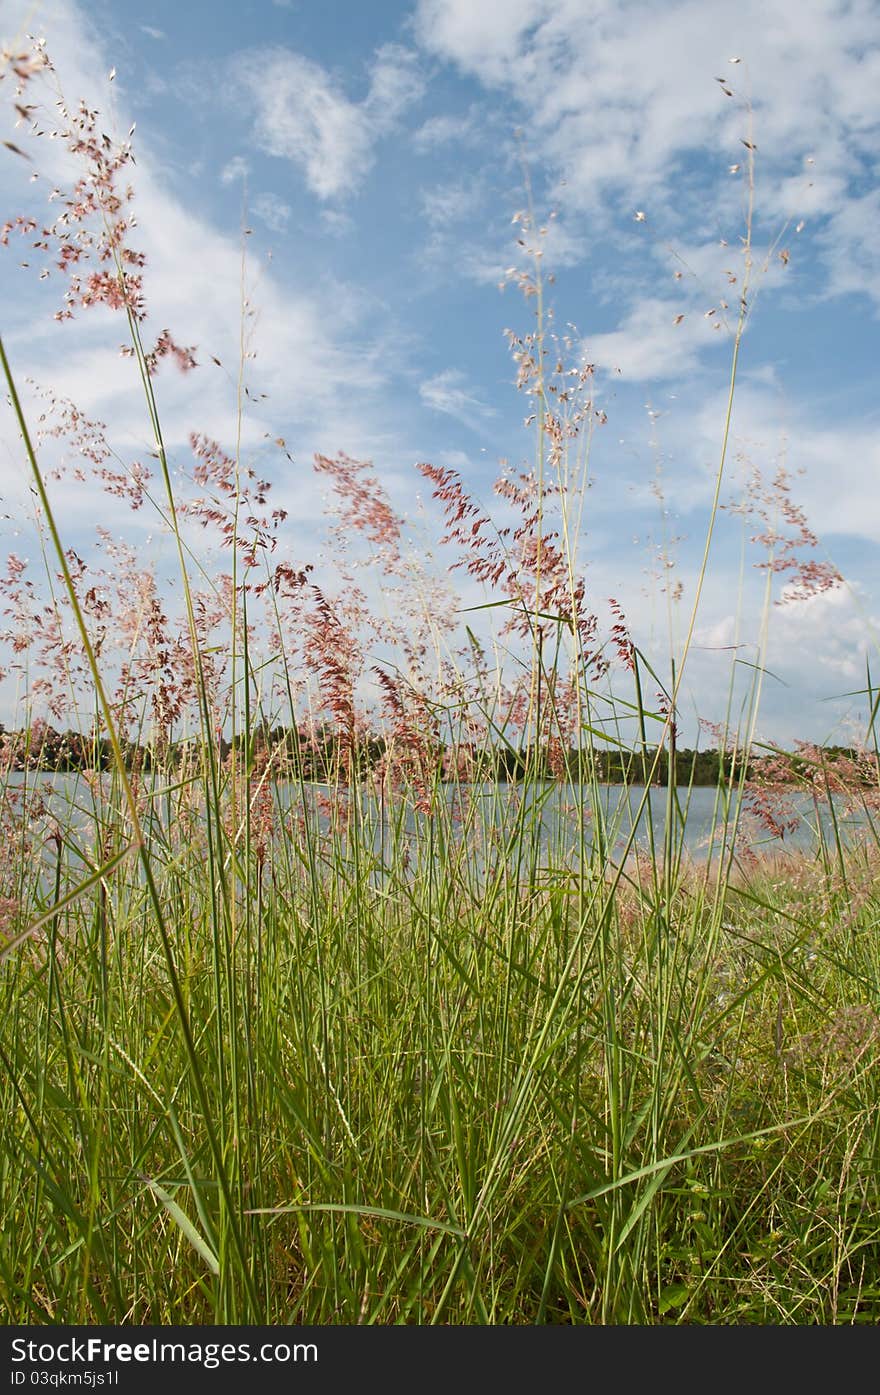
[(488, 816), (703, 823)]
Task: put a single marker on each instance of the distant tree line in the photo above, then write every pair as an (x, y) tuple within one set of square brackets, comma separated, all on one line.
[(325, 754)]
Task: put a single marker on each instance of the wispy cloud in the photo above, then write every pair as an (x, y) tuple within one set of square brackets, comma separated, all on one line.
[(319, 374), (337, 222), (304, 115), (237, 168), (851, 250), (396, 83), (833, 463), (619, 95), (438, 131), (618, 101), (655, 341), (272, 211), (485, 39), (444, 204), (450, 393)]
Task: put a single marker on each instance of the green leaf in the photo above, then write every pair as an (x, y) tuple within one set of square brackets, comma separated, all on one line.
[(379, 1212), (182, 1220), (672, 1296)]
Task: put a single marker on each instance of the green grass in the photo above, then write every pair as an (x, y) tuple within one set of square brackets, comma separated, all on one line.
[(408, 1093)]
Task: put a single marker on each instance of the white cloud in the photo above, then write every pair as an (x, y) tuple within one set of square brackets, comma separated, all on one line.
[(637, 80), (237, 168), (302, 117), (303, 114), (472, 261), (395, 84), (443, 130), (151, 32), (650, 346), (842, 465), (447, 207), (448, 203), (559, 245), (824, 639), (615, 97), (811, 197), (337, 222), (322, 370), (815, 651), (808, 639), (832, 464), (851, 249), (272, 211), (484, 39), (449, 392)]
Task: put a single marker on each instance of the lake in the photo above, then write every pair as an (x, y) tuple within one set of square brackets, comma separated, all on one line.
[(488, 815)]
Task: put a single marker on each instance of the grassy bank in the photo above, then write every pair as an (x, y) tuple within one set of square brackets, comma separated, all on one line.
[(338, 1088)]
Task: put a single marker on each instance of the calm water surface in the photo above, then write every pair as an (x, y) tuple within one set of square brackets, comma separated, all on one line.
[(489, 814)]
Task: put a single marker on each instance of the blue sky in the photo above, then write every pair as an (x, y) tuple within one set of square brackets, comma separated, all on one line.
[(376, 151)]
